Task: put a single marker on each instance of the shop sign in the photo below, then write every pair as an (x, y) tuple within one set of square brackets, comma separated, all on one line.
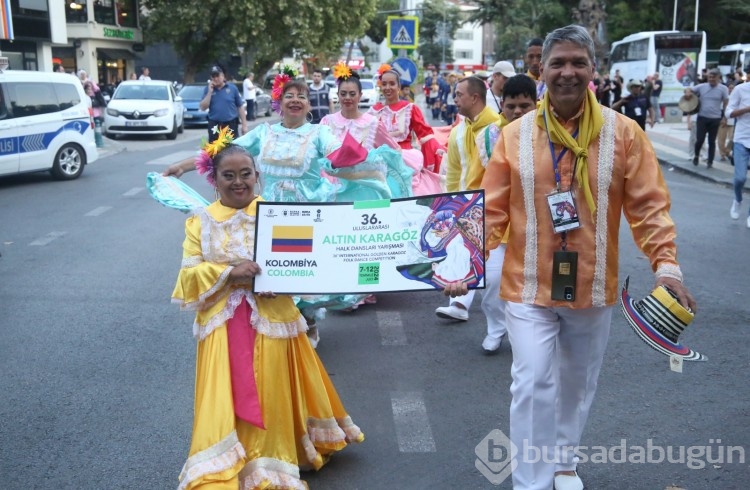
[(118, 33)]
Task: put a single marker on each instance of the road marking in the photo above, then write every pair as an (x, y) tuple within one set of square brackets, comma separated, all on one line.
[(670, 150), (412, 425), (391, 328), (40, 242), (133, 191), (98, 211), (173, 158)]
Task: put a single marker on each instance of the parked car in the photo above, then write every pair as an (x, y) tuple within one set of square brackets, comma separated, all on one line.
[(370, 93), (262, 101), (144, 107), (46, 124), (191, 94)]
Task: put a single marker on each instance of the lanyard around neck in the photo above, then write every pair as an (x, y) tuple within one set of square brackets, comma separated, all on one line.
[(556, 160)]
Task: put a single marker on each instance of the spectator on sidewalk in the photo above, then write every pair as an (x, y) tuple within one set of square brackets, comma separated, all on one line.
[(725, 136), (248, 93), (654, 97), (713, 97), (692, 125), (636, 105), (739, 108)]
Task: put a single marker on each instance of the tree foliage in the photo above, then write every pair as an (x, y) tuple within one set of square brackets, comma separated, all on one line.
[(202, 31), (516, 21), (437, 17), (377, 28)]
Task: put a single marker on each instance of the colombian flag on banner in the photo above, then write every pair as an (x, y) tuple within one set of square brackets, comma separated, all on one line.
[(6, 20), (292, 239)]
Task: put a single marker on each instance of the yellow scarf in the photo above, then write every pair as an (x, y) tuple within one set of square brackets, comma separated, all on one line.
[(589, 125), (503, 121), (483, 119)]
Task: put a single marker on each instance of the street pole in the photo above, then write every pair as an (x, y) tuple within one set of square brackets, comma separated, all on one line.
[(674, 17), (697, 6), (442, 39)]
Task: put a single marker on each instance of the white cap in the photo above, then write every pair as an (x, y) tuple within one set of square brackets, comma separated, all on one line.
[(504, 68)]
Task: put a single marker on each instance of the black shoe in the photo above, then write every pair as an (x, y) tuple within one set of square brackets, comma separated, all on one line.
[(731, 160), (709, 164), (695, 161)]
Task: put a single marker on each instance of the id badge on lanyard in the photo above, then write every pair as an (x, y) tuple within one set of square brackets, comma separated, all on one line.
[(561, 203), (562, 208)]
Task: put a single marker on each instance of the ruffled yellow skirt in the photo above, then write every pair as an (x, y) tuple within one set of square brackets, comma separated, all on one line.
[(305, 421)]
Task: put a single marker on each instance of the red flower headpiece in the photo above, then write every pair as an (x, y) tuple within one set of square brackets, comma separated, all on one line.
[(287, 75)]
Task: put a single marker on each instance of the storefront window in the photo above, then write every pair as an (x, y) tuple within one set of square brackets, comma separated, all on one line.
[(104, 12), (75, 11), (127, 13)]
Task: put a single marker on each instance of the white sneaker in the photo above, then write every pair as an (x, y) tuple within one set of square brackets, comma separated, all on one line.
[(748, 221), (314, 336), (568, 482), (491, 345), (735, 211), (452, 312)]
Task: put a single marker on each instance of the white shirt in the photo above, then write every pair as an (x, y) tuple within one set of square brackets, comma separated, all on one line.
[(739, 99), (144, 77), (248, 90), (494, 102)]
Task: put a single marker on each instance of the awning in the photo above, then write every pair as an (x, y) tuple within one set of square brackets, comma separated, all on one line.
[(117, 54)]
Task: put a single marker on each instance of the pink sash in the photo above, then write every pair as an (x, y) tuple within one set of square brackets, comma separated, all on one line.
[(241, 338)]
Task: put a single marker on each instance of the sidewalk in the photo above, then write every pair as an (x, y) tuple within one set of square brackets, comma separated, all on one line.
[(110, 148), (670, 142)]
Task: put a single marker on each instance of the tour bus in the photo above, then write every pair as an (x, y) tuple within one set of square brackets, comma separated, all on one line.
[(732, 56), (678, 57)]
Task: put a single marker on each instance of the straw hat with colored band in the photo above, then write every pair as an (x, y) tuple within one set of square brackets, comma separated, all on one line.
[(659, 319)]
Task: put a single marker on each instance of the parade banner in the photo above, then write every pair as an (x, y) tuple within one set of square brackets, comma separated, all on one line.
[(410, 244)]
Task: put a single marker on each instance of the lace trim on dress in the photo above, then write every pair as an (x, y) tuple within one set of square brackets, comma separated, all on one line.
[(203, 303), (227, 242), (325, 431), (669, 270), (275, 330), (284, 154), (352, 431), (191, 261), (397, 123), (362, 129), (526, 170), (604, 180), (217, 458), (270, 473)]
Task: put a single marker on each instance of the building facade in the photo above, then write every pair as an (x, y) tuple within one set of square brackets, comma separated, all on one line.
[(102, 37)]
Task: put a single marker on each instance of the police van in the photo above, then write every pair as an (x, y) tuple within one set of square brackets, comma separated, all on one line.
[(46, 124)]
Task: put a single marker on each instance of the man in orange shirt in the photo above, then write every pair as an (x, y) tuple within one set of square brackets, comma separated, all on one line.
[(559, 179)]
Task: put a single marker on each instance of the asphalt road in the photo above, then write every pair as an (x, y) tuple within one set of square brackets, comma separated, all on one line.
[(97, 365)]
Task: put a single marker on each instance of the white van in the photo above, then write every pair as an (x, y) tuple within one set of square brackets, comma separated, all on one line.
[(46, 123)]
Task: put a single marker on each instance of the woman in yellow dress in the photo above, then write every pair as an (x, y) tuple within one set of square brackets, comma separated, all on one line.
[(264, 405)]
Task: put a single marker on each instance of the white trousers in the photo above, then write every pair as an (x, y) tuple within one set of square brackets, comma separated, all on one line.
[(557, 355), (492, 306)]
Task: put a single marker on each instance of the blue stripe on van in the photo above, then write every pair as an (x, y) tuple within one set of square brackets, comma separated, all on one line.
[(39, 141)]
